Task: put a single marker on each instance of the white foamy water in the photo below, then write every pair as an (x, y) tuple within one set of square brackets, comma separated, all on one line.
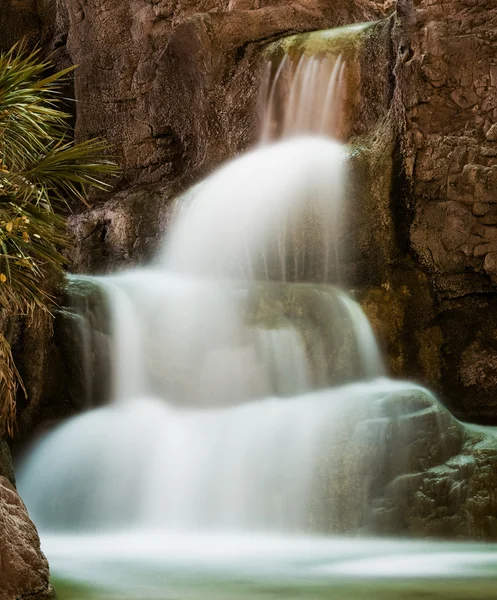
[(215, 421), (146, 464), (204, 342), (273, 213), (141, 566)]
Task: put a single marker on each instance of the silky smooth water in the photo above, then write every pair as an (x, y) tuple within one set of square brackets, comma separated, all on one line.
[(259, 466), (297, 85), (134, 566), (273, 213), (221, 402)]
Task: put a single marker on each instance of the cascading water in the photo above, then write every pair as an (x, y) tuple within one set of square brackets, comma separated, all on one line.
[(207, 326), (297, 85), (244, 387)]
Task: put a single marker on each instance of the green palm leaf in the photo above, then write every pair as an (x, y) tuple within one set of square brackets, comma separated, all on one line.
[(42, 171)]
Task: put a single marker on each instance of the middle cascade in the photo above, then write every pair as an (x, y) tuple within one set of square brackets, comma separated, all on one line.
[(236, 367)]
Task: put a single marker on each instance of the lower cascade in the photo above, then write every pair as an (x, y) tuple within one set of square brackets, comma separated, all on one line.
[(244, 396)]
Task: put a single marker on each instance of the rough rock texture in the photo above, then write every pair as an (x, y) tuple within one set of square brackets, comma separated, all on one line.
[(18, 19), (164, 84), (24, 570), (449, 489), (457, 498), (425, 237), (446, 96), (6, 469), (401, 464), (127, 229), (163, 81)]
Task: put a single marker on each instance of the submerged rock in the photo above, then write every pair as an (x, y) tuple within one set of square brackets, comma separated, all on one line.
[(457, 499), (385, 452), (411, 469)]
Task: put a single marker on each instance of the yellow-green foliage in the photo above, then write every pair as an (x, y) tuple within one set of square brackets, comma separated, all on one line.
[(41, 171), (9, 379)]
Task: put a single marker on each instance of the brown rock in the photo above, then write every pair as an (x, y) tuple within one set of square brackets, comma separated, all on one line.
[(6, 468), (18, 19), (445, 84), (441, 236), (490, 264), (23, 567), (489, 219), (482, 249), (125, 230), (164, 84), (480, 209)]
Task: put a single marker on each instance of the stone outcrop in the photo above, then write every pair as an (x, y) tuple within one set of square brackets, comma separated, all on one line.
[(24, 570), (450, 92), (401, 464), (124, 230), (6, 469), (169, 94), (162, 80), (18, 19), (444, 475)]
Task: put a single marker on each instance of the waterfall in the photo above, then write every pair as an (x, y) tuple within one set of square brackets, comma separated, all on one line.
[(273, 213), (295, 87), (239, 374)]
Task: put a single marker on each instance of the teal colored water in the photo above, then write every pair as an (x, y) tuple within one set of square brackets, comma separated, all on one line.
[(146, 567), (405, 590)]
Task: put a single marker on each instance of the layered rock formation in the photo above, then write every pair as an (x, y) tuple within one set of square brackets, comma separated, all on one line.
[(408, 467), (441, 475)]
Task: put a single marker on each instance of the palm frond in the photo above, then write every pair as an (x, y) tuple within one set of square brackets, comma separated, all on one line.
[(9, 383), (41, 172)]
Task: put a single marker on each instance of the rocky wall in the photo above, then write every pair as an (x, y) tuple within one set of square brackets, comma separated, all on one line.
[(446, 98)]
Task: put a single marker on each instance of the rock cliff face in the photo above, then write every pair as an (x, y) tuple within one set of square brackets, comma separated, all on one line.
[(174, 87), (447, 83)]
